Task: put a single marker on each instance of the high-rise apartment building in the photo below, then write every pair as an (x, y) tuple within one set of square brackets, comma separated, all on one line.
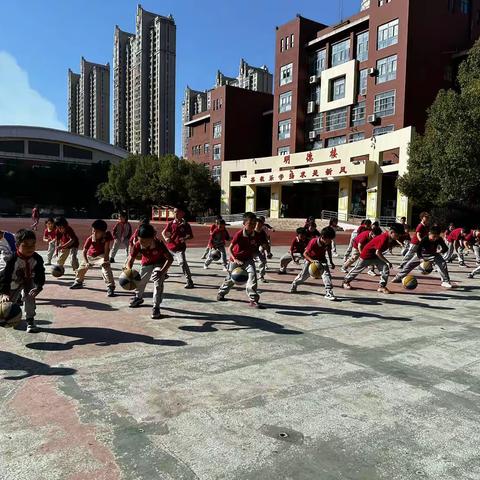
[(144, 85), (89, 101), (256, 79)]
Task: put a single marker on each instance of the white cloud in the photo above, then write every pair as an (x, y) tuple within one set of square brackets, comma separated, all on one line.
[(20, 104)]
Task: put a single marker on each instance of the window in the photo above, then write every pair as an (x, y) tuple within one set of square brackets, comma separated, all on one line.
[(285, 104), (317, 123), (284, 151), (340, 52), (381, 3), (387, 69), (217, 173), (387, 34), (217, 152), (206, 148), (44, 148), (336, 119), (319, 62), (281, 45), (217, 130), (465, 6), (334, 141), (287, 43), (315, 93), (75, 152), (12, 146), (383, 130), (292, 39), (385, 104), (358, 114), (337, 88), (284, 129), (362, 46), (286, 74), (362, 81), (356, 137)]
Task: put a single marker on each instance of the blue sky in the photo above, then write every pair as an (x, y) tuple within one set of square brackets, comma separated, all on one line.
[(41, 39)]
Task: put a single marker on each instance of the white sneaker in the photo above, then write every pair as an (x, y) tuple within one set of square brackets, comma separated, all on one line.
[(372, 273), (205, 267), (343, 269), (447, 285), (330, 296)]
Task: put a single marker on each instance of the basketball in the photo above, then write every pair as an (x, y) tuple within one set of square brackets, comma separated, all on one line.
[(426, 267), (410, 282), (316, 270), (129, 281), (216, 255), (58, 270), (10, 314), (239, 276)]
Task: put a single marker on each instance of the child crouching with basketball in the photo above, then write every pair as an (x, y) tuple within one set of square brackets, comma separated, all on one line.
[(316, 253), (96, 253), (428, 252), (49, 236), (156, 260), (23, 276), (372, 255), (242, 250), (295, 254), (216, 244)]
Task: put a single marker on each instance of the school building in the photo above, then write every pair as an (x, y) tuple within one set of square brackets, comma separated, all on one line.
[(347, 100)]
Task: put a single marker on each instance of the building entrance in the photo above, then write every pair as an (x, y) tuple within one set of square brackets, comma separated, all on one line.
[(307, 199)]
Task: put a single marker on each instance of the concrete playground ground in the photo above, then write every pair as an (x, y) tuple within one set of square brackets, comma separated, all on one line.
[(369, 387)]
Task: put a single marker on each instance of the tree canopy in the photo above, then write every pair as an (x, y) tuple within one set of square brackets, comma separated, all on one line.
[(444, 164), (149, 180)]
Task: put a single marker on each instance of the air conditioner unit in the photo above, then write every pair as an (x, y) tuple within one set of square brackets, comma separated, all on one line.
[(313, 79), (372, 118), (363, 91), (373, 72), (310, 107), (312, 135)]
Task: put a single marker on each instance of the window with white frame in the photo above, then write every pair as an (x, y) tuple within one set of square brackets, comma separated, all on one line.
[(216, 173), (319, 62), (340, 52), (283, 151), (384, 104), (383, 130), (286, 73), (362, 46), (336, 119), (362, 81), (217, 152), (356, 137), (285, 103), (284, 129), (292, 40), (387, 34), (337, 88), (217, 130), (334, 141), (206, 148), (358, 114), (282, 44), (315, 125), (315, 93), (381, 3), (387, 69)]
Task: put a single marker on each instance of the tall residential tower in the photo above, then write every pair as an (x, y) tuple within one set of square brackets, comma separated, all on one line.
[(89, 101), (144, 85)]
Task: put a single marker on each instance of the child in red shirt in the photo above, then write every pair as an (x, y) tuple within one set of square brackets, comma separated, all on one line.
[(218, 237), (358, 243), (317, 250), (96, 253), (176, 234), (66, 243), (456, 245), (474, 243), (263, 248), (213, 227), (295, 253), (372, 255), (420, 232), (243, 248), (49, 236), (156, 260), (122, 233), (365, 225)]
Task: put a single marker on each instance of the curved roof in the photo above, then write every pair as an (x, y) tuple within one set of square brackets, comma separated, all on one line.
[(53, 135)]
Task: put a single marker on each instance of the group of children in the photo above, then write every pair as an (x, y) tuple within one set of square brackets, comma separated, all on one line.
[(22, 271)]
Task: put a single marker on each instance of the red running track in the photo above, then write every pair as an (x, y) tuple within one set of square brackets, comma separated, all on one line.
[(200, 232)]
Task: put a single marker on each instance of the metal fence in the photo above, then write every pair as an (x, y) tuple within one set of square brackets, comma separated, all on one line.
[(237, 217), (356, 219)]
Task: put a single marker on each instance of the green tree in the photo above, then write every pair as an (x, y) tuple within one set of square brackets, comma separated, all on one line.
[(444, 165)]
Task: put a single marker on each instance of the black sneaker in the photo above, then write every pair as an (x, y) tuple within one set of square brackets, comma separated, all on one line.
[(221, 298), (76, 286), (112, 260), (31, 327), (136, 302), (156, 313), (282, 272), (110, 292), (189, 285)]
